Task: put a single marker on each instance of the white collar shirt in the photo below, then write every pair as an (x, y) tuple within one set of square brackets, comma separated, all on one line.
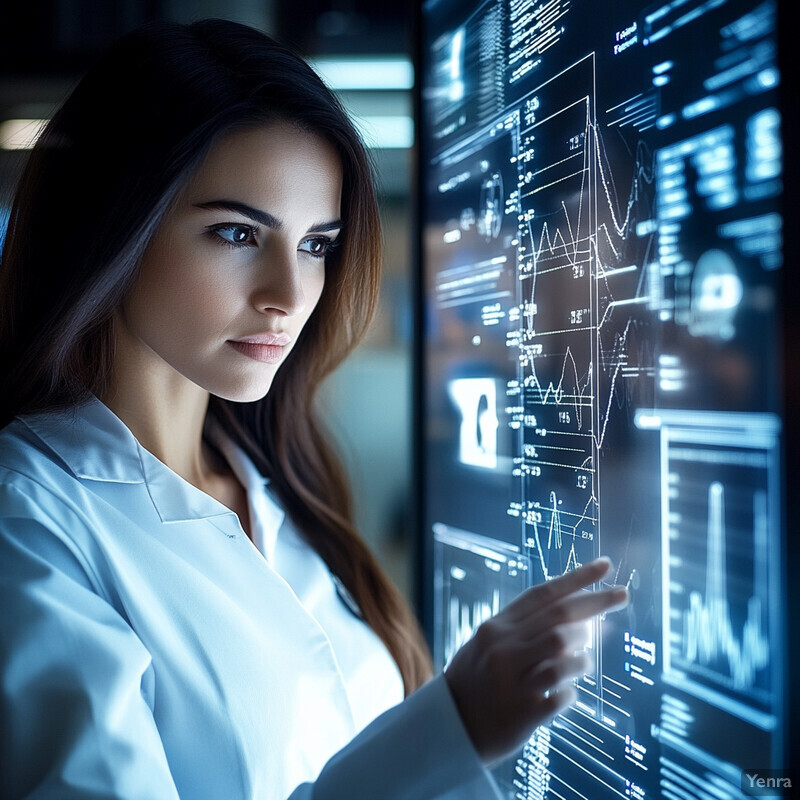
[(149, 650)]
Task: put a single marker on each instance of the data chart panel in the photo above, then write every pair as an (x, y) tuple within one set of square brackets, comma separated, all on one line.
[(601, 192), (476, 578)]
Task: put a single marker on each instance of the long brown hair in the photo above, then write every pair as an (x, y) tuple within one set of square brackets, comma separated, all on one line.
[(94, 191)]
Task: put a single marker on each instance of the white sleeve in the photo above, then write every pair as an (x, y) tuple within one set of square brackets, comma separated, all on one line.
[(74, 720), (417, 750)]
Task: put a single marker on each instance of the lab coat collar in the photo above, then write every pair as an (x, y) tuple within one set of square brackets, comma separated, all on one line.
[(91, 440), (266, 516), (96, 445)]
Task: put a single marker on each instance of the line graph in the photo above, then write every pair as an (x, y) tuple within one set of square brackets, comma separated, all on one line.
[(577, 249), (710, 637), (718, 506), (550, 557), (557, 363)]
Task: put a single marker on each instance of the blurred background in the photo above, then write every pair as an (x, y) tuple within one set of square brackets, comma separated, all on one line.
[(363, 51)]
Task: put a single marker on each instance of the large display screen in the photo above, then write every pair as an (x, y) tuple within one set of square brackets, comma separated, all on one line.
[(602, 369)]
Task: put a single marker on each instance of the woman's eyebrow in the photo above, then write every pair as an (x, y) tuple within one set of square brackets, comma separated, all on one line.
[(263, 217), (255, 214), (333, 225)]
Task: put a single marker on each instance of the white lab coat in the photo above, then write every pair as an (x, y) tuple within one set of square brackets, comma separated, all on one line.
[(149, 650)]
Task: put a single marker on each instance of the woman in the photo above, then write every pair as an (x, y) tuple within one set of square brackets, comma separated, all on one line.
[(188, 610)]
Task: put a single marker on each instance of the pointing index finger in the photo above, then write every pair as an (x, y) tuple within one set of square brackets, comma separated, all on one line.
[(554, 590)]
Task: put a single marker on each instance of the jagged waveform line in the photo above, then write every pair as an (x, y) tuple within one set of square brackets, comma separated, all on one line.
[(572, 558), (557, 241), (552, 242), (555, 537), (640, 173), (555, 392), (708, 626), (464, 621), (599, 439), (574, 240), (545, 231)]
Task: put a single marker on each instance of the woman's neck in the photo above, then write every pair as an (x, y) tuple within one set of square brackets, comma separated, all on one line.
[(168, 428), (164, 411), (172, 431)]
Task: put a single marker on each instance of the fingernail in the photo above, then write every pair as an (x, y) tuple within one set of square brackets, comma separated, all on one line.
[(624, 597)]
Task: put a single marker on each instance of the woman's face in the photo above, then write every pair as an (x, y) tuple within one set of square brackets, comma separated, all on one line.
[(237, 266)]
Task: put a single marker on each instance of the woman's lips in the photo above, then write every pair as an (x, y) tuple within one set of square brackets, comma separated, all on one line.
[(268, 348)]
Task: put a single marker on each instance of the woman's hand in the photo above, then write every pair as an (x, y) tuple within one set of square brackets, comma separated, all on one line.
[(516, 672)]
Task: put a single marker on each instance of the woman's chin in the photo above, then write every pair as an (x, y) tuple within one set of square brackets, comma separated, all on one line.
[(243, 393)]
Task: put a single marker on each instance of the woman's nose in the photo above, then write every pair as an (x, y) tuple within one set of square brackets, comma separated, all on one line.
[(280, 284)]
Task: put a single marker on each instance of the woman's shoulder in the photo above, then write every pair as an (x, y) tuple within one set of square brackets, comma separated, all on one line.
[(47, 509), (44, 458), (81, 442), (26, 456)]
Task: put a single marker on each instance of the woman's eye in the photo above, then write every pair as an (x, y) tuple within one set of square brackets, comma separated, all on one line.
[(234, 235), (318, 246)]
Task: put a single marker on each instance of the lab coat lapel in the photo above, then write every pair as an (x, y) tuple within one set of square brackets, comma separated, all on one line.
[(96, 445)]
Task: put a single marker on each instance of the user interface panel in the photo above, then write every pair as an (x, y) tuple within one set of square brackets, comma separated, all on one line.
[(601, 187)]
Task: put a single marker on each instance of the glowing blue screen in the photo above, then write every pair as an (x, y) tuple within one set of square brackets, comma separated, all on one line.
[(601, 223)]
